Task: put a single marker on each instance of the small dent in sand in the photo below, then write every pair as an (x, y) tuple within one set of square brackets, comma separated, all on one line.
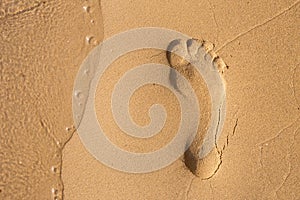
[(91, 40), (86, 8)]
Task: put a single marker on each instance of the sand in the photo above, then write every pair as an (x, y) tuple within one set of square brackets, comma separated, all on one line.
[(42, 47)]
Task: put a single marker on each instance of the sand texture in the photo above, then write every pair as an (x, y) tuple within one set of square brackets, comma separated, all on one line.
[(42, 45)]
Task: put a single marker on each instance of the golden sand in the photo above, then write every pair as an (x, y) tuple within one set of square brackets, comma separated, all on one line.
[(42, 45)]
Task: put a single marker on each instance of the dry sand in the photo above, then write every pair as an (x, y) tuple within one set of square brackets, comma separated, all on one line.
[(42, 45)]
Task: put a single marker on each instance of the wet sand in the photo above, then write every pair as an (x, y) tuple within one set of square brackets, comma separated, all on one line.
[(42, 47)]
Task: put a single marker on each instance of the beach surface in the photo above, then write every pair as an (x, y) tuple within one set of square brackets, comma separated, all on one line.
[(42, 46)]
